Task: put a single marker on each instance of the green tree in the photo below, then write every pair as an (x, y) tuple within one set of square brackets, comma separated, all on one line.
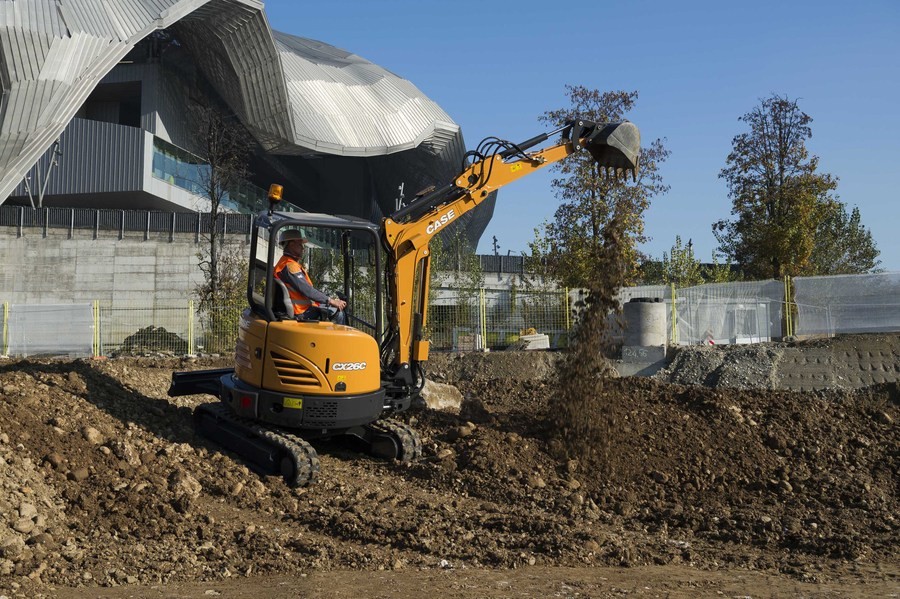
[(590, 199), (538, 272), (842, 244), (682, 268), (715, 272), (780, 202)]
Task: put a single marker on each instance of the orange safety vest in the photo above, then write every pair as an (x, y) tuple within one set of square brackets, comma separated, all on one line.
[(300, 302)]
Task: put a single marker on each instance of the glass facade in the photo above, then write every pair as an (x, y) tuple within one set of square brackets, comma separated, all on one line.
[(182, 169)]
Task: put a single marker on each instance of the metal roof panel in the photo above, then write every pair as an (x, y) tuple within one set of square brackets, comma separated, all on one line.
[(293, 93)]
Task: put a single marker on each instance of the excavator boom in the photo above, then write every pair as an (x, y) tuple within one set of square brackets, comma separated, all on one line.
[(408, 232)]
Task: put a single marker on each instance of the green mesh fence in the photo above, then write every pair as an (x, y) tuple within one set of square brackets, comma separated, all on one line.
[(467, 320), (173, 329)]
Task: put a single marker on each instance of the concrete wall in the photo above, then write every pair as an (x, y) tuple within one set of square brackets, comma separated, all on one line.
[(118, 272), (132, 271)]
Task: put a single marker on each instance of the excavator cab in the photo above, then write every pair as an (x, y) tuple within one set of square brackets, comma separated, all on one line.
[(311, 374), (343, 254)]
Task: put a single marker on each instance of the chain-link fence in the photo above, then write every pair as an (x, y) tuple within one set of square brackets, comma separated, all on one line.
[(719, 313), (55, 329), (481, 319), (722, 313)]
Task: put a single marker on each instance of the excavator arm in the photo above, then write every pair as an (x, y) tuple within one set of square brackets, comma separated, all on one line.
[(408, 232)]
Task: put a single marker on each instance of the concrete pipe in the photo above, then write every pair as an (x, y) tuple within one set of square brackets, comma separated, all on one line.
[(645, 322)]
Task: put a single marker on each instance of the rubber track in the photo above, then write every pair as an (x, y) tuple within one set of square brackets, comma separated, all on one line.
[(304, 456), (409, 440)]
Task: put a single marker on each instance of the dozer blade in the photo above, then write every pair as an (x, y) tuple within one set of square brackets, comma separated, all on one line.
[(615, 146)]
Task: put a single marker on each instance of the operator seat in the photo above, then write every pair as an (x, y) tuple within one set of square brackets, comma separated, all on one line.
[(281, 301), (283, 308)]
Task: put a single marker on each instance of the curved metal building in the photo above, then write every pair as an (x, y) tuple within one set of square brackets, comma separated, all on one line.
[(94, 97)]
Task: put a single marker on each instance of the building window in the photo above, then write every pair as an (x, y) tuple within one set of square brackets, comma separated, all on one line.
[(182, 169)]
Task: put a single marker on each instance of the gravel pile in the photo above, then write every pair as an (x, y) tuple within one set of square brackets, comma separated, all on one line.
[(734, 366)]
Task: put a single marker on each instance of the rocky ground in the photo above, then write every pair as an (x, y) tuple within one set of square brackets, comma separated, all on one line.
[(105, 485)]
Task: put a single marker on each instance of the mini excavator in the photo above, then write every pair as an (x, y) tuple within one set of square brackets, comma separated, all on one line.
[(297, 381)]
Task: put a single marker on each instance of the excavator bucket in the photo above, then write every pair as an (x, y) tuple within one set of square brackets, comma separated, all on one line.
[(615, 146)]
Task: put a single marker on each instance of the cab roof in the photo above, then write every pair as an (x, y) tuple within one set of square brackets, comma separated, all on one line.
[(314, 219)]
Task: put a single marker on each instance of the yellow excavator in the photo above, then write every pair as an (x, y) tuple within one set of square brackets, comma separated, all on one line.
[(296, 381)]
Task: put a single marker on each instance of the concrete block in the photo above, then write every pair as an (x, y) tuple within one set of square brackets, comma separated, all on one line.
[(537, 341), (639, 368)]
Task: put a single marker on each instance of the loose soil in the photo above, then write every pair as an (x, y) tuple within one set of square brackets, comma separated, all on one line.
[(107, 492)]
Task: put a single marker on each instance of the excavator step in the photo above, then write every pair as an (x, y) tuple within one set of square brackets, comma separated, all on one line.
[(268, 451)]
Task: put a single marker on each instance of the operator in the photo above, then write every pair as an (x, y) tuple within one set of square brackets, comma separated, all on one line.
[(309, 303)]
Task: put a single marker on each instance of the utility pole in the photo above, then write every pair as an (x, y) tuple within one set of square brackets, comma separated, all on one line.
[(496, 247)]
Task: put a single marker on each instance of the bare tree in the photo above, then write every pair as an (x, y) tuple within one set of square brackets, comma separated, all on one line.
[(223, 146)]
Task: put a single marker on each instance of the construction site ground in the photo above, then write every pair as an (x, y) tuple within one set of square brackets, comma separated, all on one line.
[(762, 471)]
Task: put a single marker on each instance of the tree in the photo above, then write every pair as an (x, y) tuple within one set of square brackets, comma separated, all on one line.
[(843, 245), (779, 200), (449, 253), (715, 272), (222, 145), (590, 200), (681, 268), (223, 148), (221, 307)]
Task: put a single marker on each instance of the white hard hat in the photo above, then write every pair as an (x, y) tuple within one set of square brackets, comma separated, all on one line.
[(291, 235)]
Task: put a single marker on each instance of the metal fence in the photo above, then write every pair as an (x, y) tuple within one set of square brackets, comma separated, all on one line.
[(719, 313), (121, 222), (92, 329), (726, 313), (759, 311), (459, 321), (480, 319), (847, 304)]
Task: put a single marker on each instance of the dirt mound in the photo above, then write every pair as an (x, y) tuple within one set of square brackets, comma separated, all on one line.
[(533, 365), (105, 484), (153, 339)]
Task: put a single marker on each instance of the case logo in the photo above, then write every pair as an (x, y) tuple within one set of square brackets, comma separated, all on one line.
[(441, 221)]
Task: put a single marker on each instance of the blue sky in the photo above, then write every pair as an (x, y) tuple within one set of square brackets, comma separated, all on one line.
[(698, 66)]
